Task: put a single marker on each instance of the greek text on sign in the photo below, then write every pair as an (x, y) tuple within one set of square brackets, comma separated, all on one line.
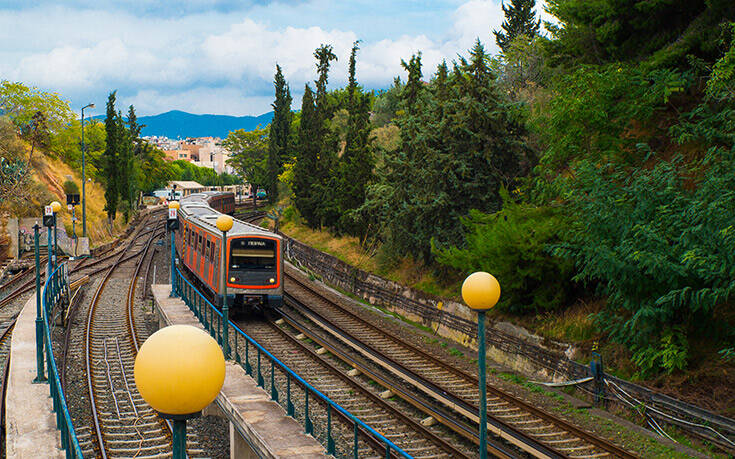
[(172, 213), (48, 210)]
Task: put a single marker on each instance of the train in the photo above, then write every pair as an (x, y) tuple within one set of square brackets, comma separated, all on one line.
[(254, 256)]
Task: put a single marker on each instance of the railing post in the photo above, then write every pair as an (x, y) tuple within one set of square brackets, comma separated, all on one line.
[(261, 382), (308, 426), (330, 440), (290, 409), (354, 448), (40, 377), (274, 392), (248, 367)]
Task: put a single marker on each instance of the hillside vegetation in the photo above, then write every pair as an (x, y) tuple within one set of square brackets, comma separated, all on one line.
[(591, 170)]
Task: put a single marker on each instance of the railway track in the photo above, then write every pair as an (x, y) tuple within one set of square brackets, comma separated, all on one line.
[(516, 421), (359, 398), (123, 424)]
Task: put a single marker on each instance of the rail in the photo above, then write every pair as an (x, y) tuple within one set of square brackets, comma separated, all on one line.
[(212, 319), (55, 288)]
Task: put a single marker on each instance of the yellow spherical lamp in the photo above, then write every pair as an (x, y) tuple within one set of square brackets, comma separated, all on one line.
[(481, 291), (179, 370), (173, 205), (224, 223), (56, 206)]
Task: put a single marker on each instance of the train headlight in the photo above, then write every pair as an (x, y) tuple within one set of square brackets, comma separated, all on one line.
[(232, 279), (271, 280)]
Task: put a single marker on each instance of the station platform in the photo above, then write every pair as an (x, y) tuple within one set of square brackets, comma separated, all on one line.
[(30, 423), (259, 426)]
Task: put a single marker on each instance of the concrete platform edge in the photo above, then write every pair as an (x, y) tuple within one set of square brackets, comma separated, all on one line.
[(261, 422), (30, 423)]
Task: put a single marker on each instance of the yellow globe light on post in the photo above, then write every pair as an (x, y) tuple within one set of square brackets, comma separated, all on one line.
[(172, 224), (56, 206), (224, 224), (179, 370), (481, 291)]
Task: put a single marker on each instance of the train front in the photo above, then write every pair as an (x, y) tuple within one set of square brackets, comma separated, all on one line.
[(254, 271)]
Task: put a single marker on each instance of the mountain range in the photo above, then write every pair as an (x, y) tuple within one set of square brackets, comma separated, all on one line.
[(175, 124)]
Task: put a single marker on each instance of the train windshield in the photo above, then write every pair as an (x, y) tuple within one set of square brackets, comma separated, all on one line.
[(252, 254)]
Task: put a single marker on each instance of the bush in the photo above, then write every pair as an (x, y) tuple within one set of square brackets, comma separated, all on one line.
[(513, 245), (71, 187)]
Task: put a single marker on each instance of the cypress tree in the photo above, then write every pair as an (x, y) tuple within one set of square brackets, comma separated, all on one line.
[(307, 157), (356, 167), (110, 160), (326, 185), (125, 165), (520, 19), (280, 133)]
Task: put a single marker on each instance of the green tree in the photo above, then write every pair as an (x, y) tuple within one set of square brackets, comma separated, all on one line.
[(249, 155), (307, 157), (126, 167), (279, 139), (21, 103), (111, 158), (461, 141), (356, 164), (666, 33), (520, 19)]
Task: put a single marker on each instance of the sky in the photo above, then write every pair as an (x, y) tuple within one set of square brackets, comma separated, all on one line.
[(219, 56)]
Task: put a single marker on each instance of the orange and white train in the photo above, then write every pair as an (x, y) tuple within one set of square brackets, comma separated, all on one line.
[(253, 264)]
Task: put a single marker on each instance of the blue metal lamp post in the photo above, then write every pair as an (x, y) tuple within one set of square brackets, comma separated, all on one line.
[(481, 292), (39, 320), (84, 179), (173, 224), (56, 206), (224, 224)]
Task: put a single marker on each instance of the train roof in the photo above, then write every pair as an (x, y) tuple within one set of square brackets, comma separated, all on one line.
[(196, 208)]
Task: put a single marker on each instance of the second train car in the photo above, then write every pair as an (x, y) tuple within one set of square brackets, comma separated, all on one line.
[(253, 264)]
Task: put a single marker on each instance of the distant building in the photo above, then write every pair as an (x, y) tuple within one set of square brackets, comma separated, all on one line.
[(201, 151), (187, 187)]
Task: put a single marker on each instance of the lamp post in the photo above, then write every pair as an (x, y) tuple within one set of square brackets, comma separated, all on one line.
[(179, 370), (56, 206), (39, 320), (481, 292), (224, 224), (84, 180), (173, 224)]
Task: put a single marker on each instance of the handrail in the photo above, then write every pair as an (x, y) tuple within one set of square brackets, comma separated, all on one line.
[(51, 294), (206, 319)]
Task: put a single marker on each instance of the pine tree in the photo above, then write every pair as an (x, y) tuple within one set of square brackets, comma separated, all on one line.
[(279, 148), (520, 19), (110, 160)]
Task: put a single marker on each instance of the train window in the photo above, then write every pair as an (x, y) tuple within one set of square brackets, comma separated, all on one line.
[(214, 252), (201, 244), (206, 251), (253, 254)]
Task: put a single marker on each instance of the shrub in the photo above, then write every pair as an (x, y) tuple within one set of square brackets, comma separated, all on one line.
[(513, 245)]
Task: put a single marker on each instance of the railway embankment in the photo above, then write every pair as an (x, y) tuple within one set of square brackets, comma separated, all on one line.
[(510, 345)]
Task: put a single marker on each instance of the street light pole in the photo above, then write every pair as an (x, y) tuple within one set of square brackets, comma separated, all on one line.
[(481, 291), (84, 179), (224, 224)]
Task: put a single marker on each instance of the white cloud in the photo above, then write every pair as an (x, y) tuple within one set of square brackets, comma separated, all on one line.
[(214, 61)]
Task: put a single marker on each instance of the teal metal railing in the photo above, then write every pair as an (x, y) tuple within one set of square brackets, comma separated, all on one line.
[(55, 288), (324, 429)]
